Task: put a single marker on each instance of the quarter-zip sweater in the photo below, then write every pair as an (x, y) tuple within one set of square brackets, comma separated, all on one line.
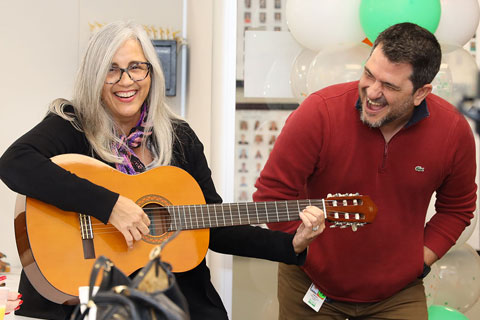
[(325, 148)]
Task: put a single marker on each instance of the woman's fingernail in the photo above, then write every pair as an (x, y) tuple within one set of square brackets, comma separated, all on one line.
[(17, 308), (20, 303), (19, 296), (3, 278)]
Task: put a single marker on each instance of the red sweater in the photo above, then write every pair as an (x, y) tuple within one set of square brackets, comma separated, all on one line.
[(325, 148)]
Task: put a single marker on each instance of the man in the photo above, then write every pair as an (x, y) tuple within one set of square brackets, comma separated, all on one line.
[(388, 137)]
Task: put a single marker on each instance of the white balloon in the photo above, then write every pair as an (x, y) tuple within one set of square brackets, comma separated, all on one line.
[(298, 76), (458, 21), (448, 47), (464, 70), (459, 274), (336, 65), (317, 24), (443, 83), (431, 283)]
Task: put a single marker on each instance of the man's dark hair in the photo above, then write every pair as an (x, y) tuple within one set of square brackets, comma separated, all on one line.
[(409, 43)]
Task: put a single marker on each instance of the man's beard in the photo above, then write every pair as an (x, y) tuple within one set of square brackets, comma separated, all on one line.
[(391, 116), (376, 124)]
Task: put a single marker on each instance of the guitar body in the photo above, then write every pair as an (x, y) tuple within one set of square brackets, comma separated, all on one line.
[(49, 240)]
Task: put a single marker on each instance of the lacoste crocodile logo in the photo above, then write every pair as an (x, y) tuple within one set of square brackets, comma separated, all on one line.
[(419, 169)]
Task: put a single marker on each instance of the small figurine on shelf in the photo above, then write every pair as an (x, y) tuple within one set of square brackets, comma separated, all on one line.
[(154, 30), (4, 266), (148, 30)]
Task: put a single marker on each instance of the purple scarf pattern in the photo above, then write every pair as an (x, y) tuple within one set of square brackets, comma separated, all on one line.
[(131, 164)]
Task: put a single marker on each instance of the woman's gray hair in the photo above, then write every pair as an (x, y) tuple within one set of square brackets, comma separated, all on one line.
[(93, 116)]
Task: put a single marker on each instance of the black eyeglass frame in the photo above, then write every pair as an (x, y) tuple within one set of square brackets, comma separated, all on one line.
[(122, 70)]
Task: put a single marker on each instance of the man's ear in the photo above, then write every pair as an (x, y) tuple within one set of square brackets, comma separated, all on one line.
[(421, 93)]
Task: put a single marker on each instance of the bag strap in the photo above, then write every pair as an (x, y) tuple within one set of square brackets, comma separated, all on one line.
[(111, 299), (161, 304), (156, 279), (162, 270), (116, 301), (112, 276), (77, 314)]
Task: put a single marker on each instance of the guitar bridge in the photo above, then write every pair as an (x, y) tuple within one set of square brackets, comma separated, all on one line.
[(87, 236)]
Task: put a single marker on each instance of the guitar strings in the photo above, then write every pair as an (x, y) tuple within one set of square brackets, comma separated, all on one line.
[(190, 222), (289, 203), (187, 216), (193, 217)]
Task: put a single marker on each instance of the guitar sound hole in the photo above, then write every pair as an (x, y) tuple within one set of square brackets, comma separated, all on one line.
[(159, 219)]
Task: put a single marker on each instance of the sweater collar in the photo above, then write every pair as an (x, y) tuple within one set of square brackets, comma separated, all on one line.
[(419, 112)]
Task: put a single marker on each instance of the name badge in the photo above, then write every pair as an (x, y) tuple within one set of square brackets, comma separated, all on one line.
[(314, 298)]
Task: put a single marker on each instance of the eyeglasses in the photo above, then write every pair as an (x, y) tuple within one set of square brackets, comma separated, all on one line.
[(136, 71)]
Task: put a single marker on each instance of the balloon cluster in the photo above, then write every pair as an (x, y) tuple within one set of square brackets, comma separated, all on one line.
[(455, 281), (453, 285), (336, 37)]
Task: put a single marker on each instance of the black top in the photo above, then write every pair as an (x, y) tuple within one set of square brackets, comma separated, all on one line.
[(26, 168)]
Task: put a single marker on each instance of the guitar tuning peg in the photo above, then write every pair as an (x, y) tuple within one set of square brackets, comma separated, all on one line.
[(329, 195), (354, 227)]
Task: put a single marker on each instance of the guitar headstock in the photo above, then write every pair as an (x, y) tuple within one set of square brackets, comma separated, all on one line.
[(349, 210)]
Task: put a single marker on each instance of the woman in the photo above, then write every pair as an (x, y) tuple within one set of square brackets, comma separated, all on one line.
[(118, 115)]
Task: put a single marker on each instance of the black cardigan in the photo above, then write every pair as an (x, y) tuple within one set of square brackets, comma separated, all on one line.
[(26, 168)]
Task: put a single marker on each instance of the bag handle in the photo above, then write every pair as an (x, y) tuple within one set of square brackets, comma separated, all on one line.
[(107, 298), (162, 272), (161, 303), (112, 276), (162, 269), (115, 301)]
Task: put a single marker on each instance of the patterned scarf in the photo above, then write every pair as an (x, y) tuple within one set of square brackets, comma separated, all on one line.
[(131, 164)]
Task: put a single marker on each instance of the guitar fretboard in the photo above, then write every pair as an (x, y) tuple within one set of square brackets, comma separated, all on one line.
[(234, 214)]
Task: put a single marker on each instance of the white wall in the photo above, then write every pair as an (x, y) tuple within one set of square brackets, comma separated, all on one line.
[(39, 54)]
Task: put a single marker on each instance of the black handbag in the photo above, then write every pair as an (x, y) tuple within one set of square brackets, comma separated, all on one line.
[(152, 294)]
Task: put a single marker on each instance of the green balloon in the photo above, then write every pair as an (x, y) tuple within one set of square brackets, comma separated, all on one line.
[(378, 15), (436, 312)]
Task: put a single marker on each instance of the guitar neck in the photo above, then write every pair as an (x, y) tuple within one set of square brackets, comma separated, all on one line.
[(235, 214)]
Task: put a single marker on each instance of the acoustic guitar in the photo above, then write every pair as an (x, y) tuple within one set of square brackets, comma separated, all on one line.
[(58, 248)]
